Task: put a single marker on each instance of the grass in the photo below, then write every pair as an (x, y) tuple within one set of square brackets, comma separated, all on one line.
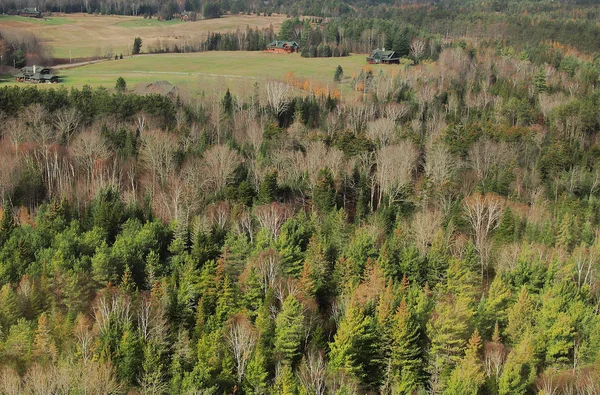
[(203, 72), (52, 21), (85, 35), (148, 23)]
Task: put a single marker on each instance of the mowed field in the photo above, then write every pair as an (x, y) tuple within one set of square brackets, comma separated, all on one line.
[(205, 71), (85, 35)]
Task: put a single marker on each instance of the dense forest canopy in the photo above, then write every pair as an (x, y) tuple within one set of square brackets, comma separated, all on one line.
[(437, 232)]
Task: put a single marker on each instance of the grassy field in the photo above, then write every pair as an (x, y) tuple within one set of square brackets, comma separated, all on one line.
[(53, 21), (84, 35), (149, 23), (202, 72)]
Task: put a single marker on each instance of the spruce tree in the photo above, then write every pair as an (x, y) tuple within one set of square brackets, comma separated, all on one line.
[(289, 330), (7, 224), (324, 192), (468, 377), (520, 316), (406, 353), (355, 348)]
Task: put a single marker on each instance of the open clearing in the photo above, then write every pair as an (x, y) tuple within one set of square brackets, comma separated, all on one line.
[(86, 35), (198, 72)]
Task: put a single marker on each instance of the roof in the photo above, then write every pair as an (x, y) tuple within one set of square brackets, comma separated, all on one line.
[(282, 44), (382, 54)]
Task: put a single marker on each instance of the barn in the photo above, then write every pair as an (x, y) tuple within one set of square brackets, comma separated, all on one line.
[(283, 47), (384, 57)]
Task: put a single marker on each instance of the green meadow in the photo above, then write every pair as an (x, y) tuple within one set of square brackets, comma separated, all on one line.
[(197, 72)]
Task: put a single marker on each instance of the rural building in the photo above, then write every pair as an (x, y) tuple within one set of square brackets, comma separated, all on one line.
[(283, 47), (28, 12), (384, 57), (36, 74)]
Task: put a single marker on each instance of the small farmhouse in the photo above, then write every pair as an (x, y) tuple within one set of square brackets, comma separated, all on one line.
[(36, 74), (283, 47), (27, 12), (384, 57)]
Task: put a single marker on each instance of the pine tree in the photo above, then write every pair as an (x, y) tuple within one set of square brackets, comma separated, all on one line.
[(520, 316), (227, 103), (7, 224), (289, 330), (121, 85), (324, 192), (448, 330), (339, 74), (9, 306), (268, 190), (519, 371), (496, 305), (285, 382), (127, 284), (44, 349), (253, 294), (468, 376), (539, 80), (314, 273), (566, 237), (255, 379), (227, 301), (137, 46), (406, 353), (129, 356), (355, 348)]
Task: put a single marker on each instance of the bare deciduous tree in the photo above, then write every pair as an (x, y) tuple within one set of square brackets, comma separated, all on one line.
[(84, 336), (10, 381), (268, 265), (487, 155), (313, 372), (381, 131), (157, 153), (395, 166), (111, 304), (152, 320), (423, 228), (278, 96), (439, 164), (483, 213), (417, 49), (271, 217), (241, 337), (66, 121), (219, 162)]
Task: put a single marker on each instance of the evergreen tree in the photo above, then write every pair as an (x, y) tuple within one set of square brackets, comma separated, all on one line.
[(448, 330), (339, 74), (44, 349), (137, 46), (121, 85), (519, 369), (227, 103), (9, 307), (289, 330), (520, 316), (406, 353), (268, 189), (324, 192), (7, 224), (129, 356), (468, 377), (355, 348)]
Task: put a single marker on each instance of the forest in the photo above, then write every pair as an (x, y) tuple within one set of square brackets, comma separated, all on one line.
[(437, 232), (438, 236)]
